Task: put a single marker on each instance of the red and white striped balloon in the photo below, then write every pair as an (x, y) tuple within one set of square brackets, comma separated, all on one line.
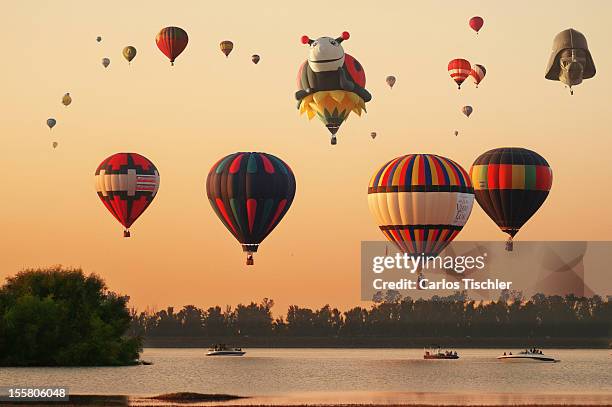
[(459, 69), (478, 73)]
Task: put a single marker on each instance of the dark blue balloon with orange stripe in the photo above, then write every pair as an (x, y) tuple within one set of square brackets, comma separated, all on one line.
[(250, 193)]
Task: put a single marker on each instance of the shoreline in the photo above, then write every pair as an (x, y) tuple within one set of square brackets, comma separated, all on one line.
[(379, 342)]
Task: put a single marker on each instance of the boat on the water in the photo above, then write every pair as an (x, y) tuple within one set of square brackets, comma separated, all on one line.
[(528, 355), (224, 350), (439, 354)]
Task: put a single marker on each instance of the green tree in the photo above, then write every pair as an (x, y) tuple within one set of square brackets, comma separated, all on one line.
[(61, 317)]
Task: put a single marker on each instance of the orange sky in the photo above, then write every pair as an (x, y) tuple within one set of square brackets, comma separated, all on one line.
[(186, 117)]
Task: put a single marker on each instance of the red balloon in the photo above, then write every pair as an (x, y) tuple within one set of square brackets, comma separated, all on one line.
[(126, 184), (172, 41), (476, 23), (459, 69)]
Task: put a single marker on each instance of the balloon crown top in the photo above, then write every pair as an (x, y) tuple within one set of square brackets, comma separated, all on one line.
[(344, 36)]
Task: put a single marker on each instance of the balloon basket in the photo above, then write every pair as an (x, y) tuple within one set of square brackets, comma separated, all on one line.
[(509, 245), (334, 141), (249, 259), (126, 233)]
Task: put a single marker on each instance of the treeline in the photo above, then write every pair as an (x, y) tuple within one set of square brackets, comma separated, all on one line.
[(392, 316)]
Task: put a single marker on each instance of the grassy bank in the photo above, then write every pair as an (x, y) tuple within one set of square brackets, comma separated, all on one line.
[(376, 342)]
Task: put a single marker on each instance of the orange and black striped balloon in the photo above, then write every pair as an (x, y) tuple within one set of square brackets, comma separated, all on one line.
[(172, 41)]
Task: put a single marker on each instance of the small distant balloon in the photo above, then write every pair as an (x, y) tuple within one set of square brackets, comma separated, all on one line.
[(255, 58), (129, 53), (66, 100), (98, 38), (476, 23), (373, 135), (55, 144), (226, 47), (467, 110), (51, 122), (391, 81), (456, 132), (105, 62)]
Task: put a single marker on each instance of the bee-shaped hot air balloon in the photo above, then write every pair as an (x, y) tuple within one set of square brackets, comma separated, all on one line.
[(331, 83)]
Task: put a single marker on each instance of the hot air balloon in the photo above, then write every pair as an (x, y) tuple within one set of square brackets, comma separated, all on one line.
[(55, 144), (105, 62), (467, 110), (250, 193), (331, 83), (66, 99), (390, 81), (172, 41), (511, 184), (226, 47), (255, 58), (126, 184), (476, 23), (478, 73), (421, 202), (459, 69), (456, 133), (51, 122), (98, 38), (373, 135), (129, 53)]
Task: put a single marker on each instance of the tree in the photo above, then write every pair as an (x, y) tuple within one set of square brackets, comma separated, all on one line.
[(61, 317)]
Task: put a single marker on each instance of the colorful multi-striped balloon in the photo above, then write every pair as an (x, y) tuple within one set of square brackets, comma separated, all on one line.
[(511, 184), (250, 193), (126, 184), (459, 69), (421, 202)]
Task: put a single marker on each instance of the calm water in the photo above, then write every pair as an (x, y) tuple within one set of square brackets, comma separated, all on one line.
[(282, 372)]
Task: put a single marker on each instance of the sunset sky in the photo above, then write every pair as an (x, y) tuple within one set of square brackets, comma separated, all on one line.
[(184, 118)]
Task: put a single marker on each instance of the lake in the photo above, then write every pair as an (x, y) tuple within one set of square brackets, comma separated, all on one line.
[(356, 375)]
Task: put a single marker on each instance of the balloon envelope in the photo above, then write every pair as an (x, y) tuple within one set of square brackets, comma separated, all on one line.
[(51, 122), (478, 73), (421, 202), (126, 183), (105, 62), (250, 193), (98, 39), (66, 99), (172, 41), (459, 69), (373, 135), (390, 81), (467, 110), (255, 58), (476, 23), (55, 144), (511, 184), (129, 53), (226, 47)]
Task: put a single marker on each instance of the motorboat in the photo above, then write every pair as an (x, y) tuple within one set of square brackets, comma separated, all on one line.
[(529, 355), (439, 354), (224, 350)]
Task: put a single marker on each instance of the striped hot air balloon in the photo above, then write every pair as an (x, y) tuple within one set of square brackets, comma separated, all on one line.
[(459, 69), (126, 183), (510, 185), (421, 202), (172, 41), (250, 193), (478, 73)]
